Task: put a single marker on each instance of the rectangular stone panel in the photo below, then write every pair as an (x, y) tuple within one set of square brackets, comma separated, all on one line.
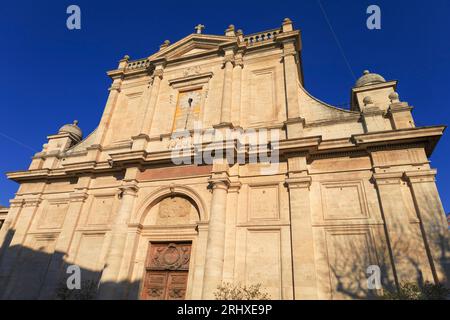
[(343, 200), (53, 215), (89, 253), (262, 96), (350, 252), (263, 261), (101, 210), (263, 203)]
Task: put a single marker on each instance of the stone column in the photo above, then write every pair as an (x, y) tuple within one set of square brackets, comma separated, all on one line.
[(406, 244), (225, 116), (433, 222), (216, 238), (303, 258), (110, 275), (148, 119)]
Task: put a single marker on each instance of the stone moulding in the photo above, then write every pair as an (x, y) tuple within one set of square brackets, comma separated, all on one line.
[(427, 135)]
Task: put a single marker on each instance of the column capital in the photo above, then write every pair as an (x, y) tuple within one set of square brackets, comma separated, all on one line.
[(298, 182), (229, 59), (219, 183), (32, 202), (420, 176), (234, 187), (239, 59), (16, 203), (158, 73), (78, 197), (385, 178), (116, 85), (129, 188)]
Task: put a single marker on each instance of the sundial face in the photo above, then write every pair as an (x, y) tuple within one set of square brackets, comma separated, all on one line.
[(190, 99), (188, 109)]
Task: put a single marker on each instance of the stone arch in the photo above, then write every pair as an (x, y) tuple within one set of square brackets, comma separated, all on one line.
[(173, 190)]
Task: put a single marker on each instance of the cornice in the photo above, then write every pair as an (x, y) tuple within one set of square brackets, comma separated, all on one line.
[(314, 146), (429, 135)]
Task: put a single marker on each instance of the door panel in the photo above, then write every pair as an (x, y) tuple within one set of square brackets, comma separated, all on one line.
[(167, 269), (176, 285)]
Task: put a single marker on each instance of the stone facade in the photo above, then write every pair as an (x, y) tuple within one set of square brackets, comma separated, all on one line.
[(3, 214), (351, 189)]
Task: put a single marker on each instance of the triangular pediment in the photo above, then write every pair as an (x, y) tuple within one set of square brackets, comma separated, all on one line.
[(192, 45)]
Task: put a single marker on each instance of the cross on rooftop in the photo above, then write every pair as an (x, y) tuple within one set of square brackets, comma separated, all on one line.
[(199, 28)]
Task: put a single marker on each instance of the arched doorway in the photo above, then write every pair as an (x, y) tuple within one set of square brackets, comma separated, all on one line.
[(168, 258)]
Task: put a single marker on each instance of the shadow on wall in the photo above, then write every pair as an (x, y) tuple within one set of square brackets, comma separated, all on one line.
[(27, 274), (349, 266)]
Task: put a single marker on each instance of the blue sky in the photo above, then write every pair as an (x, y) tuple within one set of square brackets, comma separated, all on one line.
[(53, 76)]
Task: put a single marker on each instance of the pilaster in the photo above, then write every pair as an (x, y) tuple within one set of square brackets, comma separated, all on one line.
[(151, 106), (303, 257), (406, 244), (57, 265), (109, 281), (230, 232), (433, 221), (225, 116)]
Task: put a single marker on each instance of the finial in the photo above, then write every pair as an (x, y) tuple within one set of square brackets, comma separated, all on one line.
[(199, 28), (230, 31), (366, 72), (287, 25), (75, 122), (367, 100), (165, 44), (394, 97), (239, 32), (126, 57)]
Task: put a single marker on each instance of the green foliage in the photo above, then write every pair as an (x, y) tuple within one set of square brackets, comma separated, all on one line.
[(412, 291), (228, 291)]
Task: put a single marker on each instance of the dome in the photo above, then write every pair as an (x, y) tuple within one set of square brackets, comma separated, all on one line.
[(73, 129), (369, 78)]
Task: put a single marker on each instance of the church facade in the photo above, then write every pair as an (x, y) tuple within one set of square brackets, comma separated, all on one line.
[(212, 164)]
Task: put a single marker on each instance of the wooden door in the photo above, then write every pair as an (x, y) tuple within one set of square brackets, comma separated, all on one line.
[(166, 271)]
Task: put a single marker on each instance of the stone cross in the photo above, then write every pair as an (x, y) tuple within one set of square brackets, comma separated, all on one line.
[(199, 28)]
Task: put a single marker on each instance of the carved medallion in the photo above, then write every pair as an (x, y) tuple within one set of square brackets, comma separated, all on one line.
[(174, 210), (171, 257)]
